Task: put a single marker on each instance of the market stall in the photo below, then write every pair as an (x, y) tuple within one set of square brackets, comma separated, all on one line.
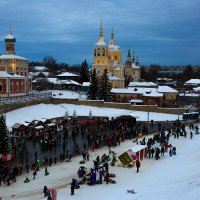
[(137, 152)]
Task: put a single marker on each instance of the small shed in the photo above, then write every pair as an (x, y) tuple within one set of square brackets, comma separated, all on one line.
[(137, 152)]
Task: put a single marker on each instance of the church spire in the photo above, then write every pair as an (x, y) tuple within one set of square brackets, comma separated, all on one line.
[(137, 61), (129, 55), (112, 39), (101, 29), (10, 43), (101, 37), (133, 58), (10, 31)]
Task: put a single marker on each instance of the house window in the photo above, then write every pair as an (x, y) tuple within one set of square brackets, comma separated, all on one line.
[(98, 52), (11, 87), (1, 87), (103, 52), (17, 86)]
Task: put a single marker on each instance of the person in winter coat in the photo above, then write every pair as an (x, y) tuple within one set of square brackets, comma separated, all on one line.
[(152, 152), (191, 135), (34, 174), (73, 186), (162, 151), (137, 165), (45, 191), (46, 173), (170, 152), (54, 194)]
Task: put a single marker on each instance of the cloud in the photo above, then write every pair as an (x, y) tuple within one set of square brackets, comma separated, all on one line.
[(75, 23)]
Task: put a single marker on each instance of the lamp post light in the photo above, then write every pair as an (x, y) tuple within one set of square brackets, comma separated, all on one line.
[(148, 118), (67, 131)]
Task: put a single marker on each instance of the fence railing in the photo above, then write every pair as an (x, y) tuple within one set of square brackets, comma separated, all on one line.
[(25, 98)]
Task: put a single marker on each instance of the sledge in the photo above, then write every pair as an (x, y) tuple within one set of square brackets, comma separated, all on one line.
[(131, 191)]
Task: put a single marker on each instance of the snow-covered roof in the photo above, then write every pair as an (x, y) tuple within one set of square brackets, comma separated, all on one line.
[(57, 81), (9, 37), (67, 74), (144, 84), (86, 84), (33, 74), (135, 66), (192, 82), (152, 92), (164, 89), (40, 68), (4, 56), (137, 148), (101, 44), (196, 89), (164, 79), (4, 74), (39, 127), (114, 48)]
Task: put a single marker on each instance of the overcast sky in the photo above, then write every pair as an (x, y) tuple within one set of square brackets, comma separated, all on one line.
[(165, 32)]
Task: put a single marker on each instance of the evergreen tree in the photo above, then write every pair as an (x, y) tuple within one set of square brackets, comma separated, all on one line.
[(84, 75), (105, 87), (4, 140), (93, 90)]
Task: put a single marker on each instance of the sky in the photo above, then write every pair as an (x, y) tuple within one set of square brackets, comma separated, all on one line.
[(159, 32)]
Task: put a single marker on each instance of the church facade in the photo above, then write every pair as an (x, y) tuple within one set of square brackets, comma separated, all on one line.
[(110, 56), (14, 76)]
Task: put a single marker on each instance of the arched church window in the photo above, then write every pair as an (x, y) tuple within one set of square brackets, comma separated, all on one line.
[(98, 71), (108, 57), (115, 57), (103, 52), (98, 52), (95, 52)]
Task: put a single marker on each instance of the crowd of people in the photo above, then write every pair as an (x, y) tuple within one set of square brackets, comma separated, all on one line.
[(158, 145)]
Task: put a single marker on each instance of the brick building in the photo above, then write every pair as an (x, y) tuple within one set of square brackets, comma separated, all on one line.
[(14, 77)]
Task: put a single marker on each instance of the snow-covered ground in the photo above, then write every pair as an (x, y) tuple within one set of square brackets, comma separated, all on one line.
[(40, 111), (174, 178), (67, 94)]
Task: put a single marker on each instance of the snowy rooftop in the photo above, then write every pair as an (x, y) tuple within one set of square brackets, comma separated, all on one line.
[(153, 92), (164, 89), (33, 74), (86, 84), (9, 37), (100, 44), (144, 84), (193, 82), (4, 56), (58, 82), (196, 89), (4, 74), (114, 48), (40, 68), (135, 66), (67, 74)]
